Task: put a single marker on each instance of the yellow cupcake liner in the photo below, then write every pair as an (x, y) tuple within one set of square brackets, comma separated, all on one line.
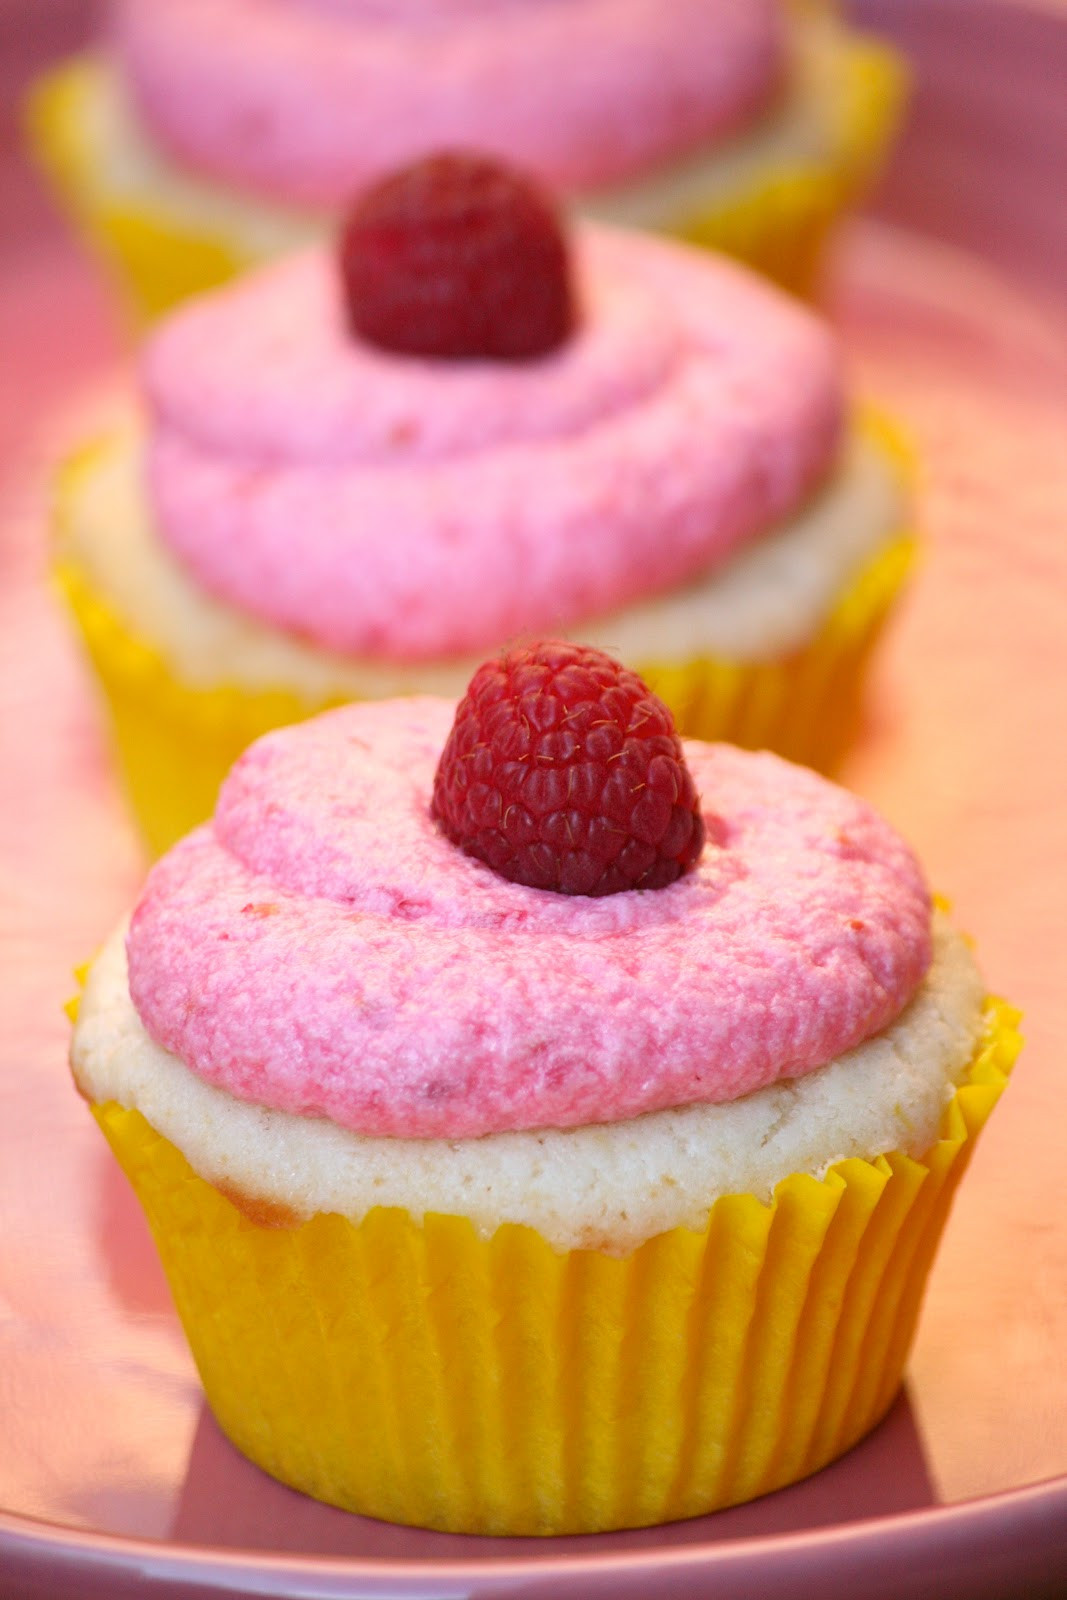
[(156, 258), (781, 225), (778, 225), (417, 1372), (175, 742), (806, 705)]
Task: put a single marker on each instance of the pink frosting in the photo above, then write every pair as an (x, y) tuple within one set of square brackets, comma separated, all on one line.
[(323, 949), (413, 509), (307, 100)]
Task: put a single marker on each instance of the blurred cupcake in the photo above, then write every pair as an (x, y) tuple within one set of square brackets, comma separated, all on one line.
[(497, 1208), (207, 135), (618, 435)]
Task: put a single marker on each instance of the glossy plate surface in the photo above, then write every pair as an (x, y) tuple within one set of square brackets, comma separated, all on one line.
[(113, 1479)]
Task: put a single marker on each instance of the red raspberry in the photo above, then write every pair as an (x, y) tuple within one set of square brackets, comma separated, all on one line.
[(563, 771), (457, 256)]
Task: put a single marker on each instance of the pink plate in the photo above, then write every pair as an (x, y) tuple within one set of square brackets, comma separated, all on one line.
[(113, 1478)]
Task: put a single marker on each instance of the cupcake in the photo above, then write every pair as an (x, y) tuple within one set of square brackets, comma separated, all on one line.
[(355, 473), (546, 1126), (206, 135)]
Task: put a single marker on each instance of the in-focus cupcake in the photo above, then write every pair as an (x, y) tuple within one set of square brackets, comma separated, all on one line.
[(545, 1127), (207, 135), (634, 439)]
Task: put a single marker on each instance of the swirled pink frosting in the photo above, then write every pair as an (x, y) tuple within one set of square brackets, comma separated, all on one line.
[(307, 100), (323, 949), (411, 509)]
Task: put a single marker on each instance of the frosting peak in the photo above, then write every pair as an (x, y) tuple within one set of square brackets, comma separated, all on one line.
[(322, 948), (410, 509)]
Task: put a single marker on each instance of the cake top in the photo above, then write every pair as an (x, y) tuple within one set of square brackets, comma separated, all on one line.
[(306, 101), (409, 509), (323, 948)]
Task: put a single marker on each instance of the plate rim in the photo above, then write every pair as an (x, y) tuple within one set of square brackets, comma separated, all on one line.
[(994, 1521)]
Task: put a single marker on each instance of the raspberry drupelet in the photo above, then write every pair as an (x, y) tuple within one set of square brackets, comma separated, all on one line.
[(564, 771)]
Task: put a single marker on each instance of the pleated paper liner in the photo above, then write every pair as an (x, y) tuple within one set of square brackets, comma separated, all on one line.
[(781, 226), (175, 742), (161, 253), (805, 705), (420, 1373), (156, 257)]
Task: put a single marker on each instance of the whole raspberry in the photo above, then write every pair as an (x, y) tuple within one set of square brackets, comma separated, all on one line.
[(563, 771), (457, 256)]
